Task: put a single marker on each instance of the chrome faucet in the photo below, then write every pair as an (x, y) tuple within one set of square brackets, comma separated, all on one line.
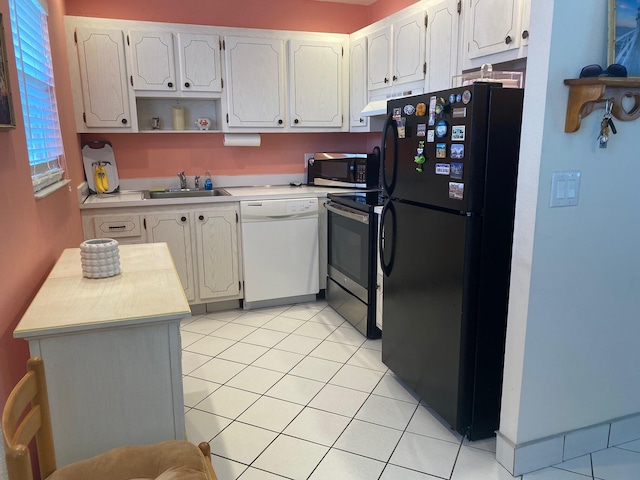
[(183, 180), (196, 182)]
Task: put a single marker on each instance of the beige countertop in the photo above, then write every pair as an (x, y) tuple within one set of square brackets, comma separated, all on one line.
[(134, 198), (147, 290)]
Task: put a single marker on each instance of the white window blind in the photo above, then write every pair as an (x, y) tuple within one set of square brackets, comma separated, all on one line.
[(37, 92)]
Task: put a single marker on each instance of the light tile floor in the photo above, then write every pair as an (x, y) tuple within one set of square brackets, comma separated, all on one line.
[(296, 392)]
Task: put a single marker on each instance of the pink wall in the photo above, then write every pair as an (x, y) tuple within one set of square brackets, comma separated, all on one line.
[(34, 232), (163, 155)]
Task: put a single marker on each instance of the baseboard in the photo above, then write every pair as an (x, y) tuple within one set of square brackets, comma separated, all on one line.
[(526, 457)]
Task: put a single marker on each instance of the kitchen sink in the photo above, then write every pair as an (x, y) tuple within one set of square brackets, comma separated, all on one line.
[(185, 192)]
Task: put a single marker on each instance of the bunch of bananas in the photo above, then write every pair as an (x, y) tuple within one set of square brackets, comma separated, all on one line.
[(100, 179)]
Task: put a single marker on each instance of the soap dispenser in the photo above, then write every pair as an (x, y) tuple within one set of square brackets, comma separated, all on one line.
[(208, 184)]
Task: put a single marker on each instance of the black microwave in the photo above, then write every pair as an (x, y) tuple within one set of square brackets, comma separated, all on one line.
[(351, 170)]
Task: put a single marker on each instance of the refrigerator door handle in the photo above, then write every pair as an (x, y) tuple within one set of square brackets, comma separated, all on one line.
[(387, 267), (390, 123)]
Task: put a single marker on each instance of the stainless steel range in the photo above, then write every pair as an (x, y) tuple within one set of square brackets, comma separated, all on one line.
[(352, 258)]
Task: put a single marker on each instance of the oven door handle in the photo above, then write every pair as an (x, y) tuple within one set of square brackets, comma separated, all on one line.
[(347, 212)]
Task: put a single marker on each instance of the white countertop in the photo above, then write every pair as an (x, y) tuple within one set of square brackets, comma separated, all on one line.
[(148, 290), (134, 198)]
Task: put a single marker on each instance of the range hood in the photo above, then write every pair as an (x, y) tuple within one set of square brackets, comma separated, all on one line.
[(379, 107)]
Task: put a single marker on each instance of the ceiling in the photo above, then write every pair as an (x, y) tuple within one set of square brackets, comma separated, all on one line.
[(355, 2)]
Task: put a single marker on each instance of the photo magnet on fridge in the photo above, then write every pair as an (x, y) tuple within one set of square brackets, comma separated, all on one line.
[(458, 133), (457, 151), (431, 136), (456, 190), (457, 170), (422, 130), (441, 150), (421, 110)]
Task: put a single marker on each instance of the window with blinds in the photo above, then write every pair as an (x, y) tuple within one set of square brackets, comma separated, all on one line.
[(37, 92)]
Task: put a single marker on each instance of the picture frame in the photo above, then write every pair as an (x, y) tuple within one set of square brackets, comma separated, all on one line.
[(624, 26), (7, 118)]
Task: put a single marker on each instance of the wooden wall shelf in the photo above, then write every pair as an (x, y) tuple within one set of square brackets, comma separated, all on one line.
[(586, 93)]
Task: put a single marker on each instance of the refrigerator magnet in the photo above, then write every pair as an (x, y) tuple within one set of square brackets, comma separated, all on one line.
[(466, 97), (422, 130), (459, 98), (457, 150), (409, 109), (460, 112), (441, 129), (421, 110), (452, 98), (431, 137), (441, 150), (458, 133), (456, 170), (442, 169), (456, 190)]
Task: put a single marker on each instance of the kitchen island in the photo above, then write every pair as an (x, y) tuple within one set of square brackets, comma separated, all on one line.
[(111, 350)]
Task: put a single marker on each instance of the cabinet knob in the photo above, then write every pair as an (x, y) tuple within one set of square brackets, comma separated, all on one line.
[(395, 78), (280, 121), (170, 84), (525, 34), (386, 80), (124, 121), (296, 121), (362, 120), (201, 217), (507, 40), (187, 84), (183, 219)]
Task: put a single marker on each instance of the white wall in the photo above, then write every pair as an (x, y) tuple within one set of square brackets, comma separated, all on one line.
[(572, 357)]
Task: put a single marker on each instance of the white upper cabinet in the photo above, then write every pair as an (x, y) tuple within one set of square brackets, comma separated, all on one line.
[(358, 95), (199, 60), (492, 26), (315, 83), (396, 52), (152, 59), (408, 49), (441, 42), (103, 78), (379, 57), (255, 81)]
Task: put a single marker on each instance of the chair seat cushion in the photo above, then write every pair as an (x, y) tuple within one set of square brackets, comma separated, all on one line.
[(170, 460)]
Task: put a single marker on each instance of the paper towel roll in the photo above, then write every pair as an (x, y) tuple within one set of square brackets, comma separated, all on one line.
[(242, 140), (178, 118)]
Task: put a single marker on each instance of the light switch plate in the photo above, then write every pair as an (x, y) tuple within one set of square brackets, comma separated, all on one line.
[(565, 188)]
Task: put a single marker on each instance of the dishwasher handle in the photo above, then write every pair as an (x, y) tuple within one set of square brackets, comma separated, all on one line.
[(348, 212)]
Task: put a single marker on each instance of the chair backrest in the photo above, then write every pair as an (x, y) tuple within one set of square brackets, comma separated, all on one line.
[(19, 427)]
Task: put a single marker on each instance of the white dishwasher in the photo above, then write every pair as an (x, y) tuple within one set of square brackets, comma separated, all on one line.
[(280, 250)]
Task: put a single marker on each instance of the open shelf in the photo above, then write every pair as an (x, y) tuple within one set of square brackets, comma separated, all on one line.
[(585, 94)]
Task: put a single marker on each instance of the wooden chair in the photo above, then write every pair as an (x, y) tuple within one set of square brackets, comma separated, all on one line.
[(174, 459)]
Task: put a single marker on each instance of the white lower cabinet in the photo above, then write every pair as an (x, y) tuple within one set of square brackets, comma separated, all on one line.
[(175, 230), (216, 235), (204, 246), (203, 241)]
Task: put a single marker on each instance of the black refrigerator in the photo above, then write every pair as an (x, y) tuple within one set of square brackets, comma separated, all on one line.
[(449, 169)]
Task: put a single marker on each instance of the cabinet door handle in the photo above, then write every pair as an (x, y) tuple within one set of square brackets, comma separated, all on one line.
[(280, 121), (395, 78), (386, 80), (187, 84), (507, 40), (362, 120), (201, 217), (525, 34), (124, 121), (296, 121), (183, 219), (170, 84)]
